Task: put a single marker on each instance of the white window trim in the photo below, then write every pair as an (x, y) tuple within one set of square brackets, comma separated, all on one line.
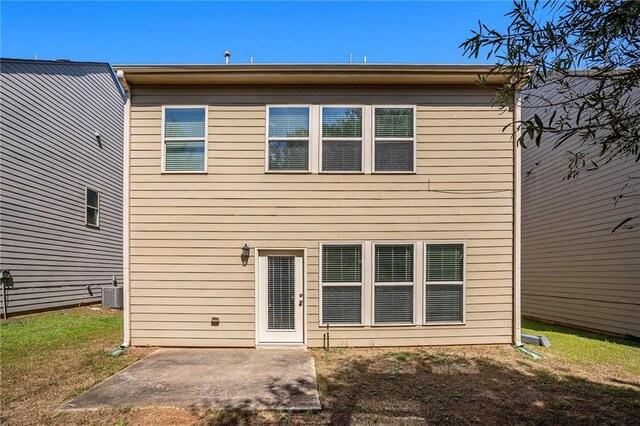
[(362, 140), (374, 284), (86, 206), (312, 143), (206, 141), (463, 283), (373, 139), (321, 285)]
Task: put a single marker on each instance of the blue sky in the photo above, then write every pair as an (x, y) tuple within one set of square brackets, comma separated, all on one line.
[(278, 32)]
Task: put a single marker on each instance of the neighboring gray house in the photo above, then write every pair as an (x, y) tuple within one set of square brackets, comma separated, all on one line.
[(60, 181), (575, 270)]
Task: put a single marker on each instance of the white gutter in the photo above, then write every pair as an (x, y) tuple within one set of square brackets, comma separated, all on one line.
[(517, 211), (125, 210)]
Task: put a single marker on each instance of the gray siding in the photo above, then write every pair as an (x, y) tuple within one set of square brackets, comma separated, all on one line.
[(574, 269), (48, 155)]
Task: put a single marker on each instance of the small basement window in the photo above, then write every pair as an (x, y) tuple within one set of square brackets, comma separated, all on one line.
[(92, 204), (184, 140), (393, 284), (341, 277), (444, 279), (288, 139)]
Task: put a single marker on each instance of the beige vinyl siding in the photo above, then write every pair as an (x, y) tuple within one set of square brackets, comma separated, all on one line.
[(187, 230)]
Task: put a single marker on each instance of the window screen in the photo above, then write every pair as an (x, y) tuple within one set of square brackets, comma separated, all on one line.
[(184, 156), (394, 281), (394, 303), (444, 303), (444, 292), (394, 263), (394, 139), (92, 204), (184, 139), (288, 138), (341, 139), (342, 284), (341, 304)]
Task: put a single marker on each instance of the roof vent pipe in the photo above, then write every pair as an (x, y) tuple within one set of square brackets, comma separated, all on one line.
[(227, 55), (364, 60)]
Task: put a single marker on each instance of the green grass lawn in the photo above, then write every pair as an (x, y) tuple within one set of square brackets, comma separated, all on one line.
[(49, 357), (585, 348), (33, 336)]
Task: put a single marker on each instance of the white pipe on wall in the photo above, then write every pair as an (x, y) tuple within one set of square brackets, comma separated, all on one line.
[(517, 206), (126, 341)]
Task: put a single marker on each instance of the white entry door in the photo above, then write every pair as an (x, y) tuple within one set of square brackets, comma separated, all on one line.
[(280, 318)]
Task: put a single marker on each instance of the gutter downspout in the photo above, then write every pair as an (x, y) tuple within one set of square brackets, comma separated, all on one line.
[(517, 209), (125, 211)]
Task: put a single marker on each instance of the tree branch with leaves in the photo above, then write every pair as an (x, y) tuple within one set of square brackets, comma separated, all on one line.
[(578, 64)]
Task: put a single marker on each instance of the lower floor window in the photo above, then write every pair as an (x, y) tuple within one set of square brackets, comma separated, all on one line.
[(444, 283), (341, 284), (393, 283), (386, 290)]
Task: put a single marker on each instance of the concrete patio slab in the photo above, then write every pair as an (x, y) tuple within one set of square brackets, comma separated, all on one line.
[(210, 378)]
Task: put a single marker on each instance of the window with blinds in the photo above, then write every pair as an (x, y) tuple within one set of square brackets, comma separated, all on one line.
[(92, 207), (394, 139), (444, 277), (288, 137), (341, 139), (184, 139), (393, 283), (341, 284)]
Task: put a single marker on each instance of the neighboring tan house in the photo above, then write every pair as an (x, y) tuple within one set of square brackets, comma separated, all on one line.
[(267, 204), (61, 181), (575, 270)]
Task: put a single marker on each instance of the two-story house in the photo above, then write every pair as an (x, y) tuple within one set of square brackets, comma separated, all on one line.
[(60, 182), (267, 204)]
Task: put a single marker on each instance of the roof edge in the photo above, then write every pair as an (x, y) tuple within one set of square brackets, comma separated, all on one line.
[(309, 74), (54, 61)]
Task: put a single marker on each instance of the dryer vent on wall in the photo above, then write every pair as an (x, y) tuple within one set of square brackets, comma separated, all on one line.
[(112, 297)]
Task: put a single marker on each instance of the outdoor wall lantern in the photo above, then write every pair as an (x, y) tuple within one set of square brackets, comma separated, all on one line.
[(246, 251)]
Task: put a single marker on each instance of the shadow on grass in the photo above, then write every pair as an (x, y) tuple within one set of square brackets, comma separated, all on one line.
[(414, 387), (541, 327), (444, 388)]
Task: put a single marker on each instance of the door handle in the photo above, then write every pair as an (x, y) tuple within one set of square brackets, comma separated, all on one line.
[(301, 301)]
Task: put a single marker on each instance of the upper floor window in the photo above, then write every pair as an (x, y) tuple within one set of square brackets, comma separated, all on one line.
[(342, 139), (394, 139), (288, 139), (92, 208), (184, 139)]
